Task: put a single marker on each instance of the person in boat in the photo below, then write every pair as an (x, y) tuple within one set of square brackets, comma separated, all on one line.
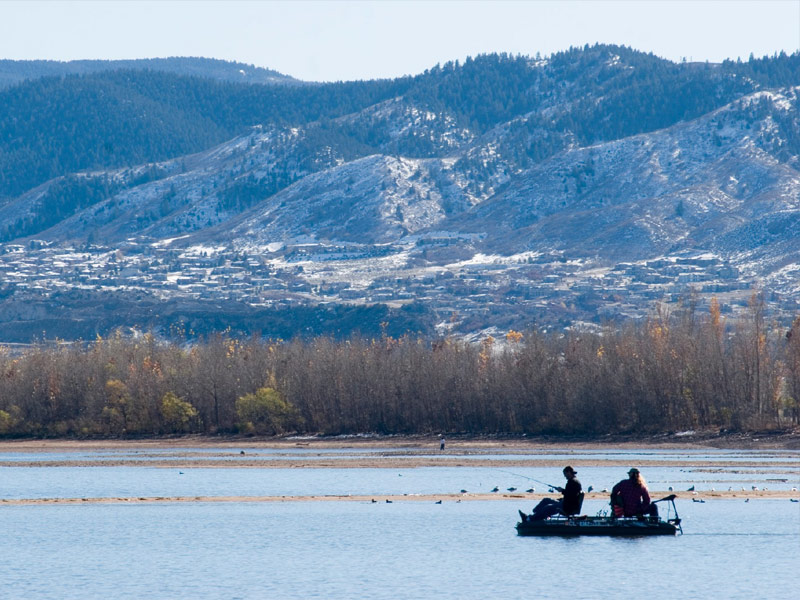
[(568, 504), (630, 498)]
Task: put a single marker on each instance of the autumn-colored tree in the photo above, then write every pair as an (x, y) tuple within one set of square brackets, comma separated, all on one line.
[(265, 412), (178, 414)]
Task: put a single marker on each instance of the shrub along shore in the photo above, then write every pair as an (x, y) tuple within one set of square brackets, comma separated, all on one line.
[(673, 372)]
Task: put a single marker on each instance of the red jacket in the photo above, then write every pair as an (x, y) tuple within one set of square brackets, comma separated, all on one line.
[(635, 498)]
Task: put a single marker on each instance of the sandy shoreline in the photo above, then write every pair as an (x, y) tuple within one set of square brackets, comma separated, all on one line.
[(392, 453), (399, 462), (373, 452), (391, 498), (785, 440)]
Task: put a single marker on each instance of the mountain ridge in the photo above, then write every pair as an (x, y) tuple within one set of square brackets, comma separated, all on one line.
[(13, 72), (598, 181)]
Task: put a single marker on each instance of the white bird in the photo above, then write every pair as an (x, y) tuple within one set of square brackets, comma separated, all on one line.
[(671, 489), (794, 489), (755, 488)]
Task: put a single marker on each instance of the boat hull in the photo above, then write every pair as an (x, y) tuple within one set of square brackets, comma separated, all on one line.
[(597, 526)]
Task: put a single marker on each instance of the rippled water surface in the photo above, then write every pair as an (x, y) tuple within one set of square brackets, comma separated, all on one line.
[(731, 549), (406, 549)]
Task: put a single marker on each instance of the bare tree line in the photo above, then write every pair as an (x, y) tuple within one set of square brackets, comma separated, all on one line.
[(675, 371)]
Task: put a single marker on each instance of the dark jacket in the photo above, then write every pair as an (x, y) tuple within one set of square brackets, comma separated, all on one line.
[(571, 504)]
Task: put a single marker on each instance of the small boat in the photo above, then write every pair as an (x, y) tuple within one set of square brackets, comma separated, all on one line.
[(602, 525)]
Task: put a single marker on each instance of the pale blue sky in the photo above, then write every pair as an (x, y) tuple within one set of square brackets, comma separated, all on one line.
[(334, 40)]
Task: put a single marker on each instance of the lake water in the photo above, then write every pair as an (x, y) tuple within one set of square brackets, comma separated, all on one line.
[(407, 549)]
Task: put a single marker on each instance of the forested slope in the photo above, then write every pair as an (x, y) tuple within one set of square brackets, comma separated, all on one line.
[(13, 72), (53, 126)]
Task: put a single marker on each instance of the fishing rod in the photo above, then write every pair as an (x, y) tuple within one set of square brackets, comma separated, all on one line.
[(550, 485)]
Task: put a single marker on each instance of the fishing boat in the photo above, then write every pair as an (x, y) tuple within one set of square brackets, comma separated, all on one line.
[(602, 525)]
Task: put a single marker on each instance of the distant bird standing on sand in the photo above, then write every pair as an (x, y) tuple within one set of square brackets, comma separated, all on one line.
[(496, 489), (589, 489), (438, 502), (512, 489), (691, 489), (388, 502), (671, 489), (463, 491), (530, 490)]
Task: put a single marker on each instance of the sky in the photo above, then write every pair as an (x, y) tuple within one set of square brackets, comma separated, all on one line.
[(345, 40)]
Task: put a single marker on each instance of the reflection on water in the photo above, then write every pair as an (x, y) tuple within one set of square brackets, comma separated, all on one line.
[(344, 550)]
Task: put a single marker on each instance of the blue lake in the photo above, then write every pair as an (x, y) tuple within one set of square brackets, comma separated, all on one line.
[(407, 549), (731, 549), (127, 481)]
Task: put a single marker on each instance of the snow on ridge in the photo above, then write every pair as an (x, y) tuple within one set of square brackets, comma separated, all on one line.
[(163, 243)]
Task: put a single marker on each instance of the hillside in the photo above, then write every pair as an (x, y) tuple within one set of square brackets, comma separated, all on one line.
[(13, 72), (501, 192), (55, 126)]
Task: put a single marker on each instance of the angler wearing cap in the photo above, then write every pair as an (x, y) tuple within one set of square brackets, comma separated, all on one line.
[(570, 502), (630, 497)]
